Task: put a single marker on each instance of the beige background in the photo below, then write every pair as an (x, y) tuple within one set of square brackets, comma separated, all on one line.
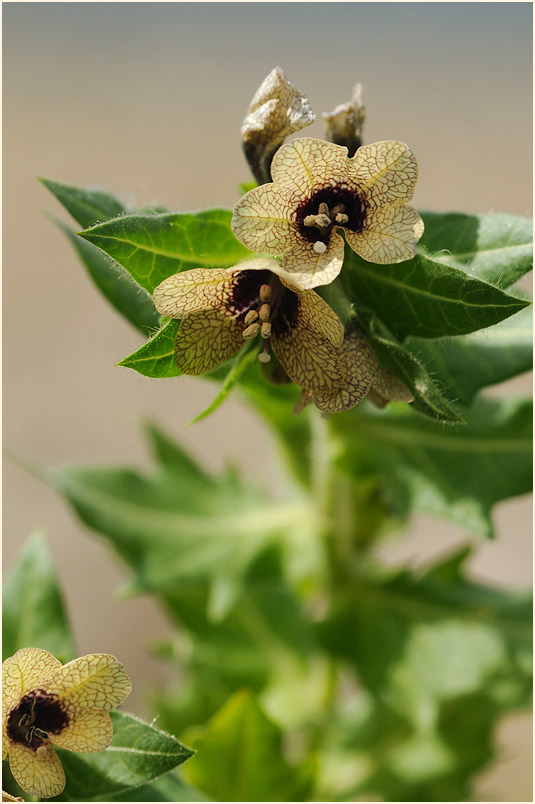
[(147, 100)]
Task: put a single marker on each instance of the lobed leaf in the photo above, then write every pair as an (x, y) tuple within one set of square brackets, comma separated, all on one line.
[(33, 611)]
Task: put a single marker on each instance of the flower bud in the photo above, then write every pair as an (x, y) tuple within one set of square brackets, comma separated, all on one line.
[(277, 110), (345, 123)]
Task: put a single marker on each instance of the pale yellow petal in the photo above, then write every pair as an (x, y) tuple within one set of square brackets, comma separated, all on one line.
[(390, 235), (27, 669), (205, 340), (89, 730), (190, 291), (387, 386), (316, 315), (386, 172), (95, 681), (360, 365), (309, 269), (37, 772), (306, 165), (308, 359), (264, 220)]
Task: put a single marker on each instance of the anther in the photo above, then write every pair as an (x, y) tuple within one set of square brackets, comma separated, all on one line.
[(323, 220), (265, 293), (319, 247), (264, 312), (251, 331), (266, 329), (310, 220), (341, 218), (323, 209), (251, 316)]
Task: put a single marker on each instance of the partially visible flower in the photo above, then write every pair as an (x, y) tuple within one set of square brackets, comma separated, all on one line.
[(7, 797), (221, 309), (318, 192), (45, 703), (345, 123), (364, 376), (277, 110)]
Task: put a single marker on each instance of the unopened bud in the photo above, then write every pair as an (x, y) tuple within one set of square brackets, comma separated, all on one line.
[(277, 110), (345, 123)]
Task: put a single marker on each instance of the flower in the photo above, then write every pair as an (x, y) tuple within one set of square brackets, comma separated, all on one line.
[(345, 123), (45, 703), (364, 376), (277, 110), (223, 308), (317, 191)]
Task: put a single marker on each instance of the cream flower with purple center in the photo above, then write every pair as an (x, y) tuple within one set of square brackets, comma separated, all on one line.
[(45, 703), (318, 192), (223, 308)]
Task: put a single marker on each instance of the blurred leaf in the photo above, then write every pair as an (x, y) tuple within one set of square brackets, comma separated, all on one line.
[(459, 474), (425, 298), (167, 788), (177, 525), (33, 612), (153, 247), (86, 205), (240, 757), (467, 364), (238, 366), (128, 298), (496, 247), (156, 358), (138, 754)]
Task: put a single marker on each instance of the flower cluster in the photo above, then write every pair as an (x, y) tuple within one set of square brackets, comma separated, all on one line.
[(46, 704), (320, 199)]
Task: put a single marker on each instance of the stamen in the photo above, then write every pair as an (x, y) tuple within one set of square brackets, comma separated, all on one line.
[(265, 293), (323, 220), (341, 218), (323, 209), (319, 247), (310, 220), (251, 316), (264, 312), (266, 329), (251, 331), (264, 355), (41, 750)]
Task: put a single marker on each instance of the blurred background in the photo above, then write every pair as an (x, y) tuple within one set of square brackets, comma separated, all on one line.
[(147, 99)]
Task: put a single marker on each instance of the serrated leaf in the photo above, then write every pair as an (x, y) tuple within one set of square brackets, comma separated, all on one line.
[(174, 526), (459, 474), (496, 247), (156, 358), (128, 298), (469, 363), (153, 247), (425, 298), (86, 205), (240, 757), (138, 754), (33, 611)]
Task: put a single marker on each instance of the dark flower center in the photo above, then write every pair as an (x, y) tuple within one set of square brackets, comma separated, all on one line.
[(329, 207), (36, 716), (263, 306)]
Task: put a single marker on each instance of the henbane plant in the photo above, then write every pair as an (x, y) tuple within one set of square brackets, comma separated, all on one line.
[(365, 334)]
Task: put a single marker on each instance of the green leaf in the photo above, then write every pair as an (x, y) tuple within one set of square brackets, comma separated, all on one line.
[(138, 754), (425, 298), (167, 788), (244, 358), (153, 247), (497, 247), (86, 205), (467, 364), (240, 757), (128, 298), (175, 526), (33, 612), (156, 358), (459, 474), (426, 388)]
